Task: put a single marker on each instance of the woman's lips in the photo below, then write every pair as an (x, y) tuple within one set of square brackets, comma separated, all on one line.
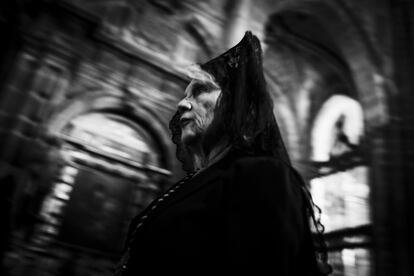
[(185, 121)]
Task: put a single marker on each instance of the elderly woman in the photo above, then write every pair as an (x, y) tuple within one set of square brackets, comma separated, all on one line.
[(242, 209)]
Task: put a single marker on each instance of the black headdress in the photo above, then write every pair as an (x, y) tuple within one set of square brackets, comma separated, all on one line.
[(245, 108), (245, 105)]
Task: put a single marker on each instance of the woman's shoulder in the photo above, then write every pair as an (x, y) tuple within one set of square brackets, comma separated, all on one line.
[(259, 165), (263, 181), (258, 159), (259, 172)]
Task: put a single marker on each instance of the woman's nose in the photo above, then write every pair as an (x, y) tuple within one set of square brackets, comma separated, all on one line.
[(184, 105)]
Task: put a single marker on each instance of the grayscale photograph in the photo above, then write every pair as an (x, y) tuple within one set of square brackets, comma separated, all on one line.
[(207, 137)]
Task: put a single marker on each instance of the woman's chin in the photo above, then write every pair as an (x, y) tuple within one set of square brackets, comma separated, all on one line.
[(188, 137)]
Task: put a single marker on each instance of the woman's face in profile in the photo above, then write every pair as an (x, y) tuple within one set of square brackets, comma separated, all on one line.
[(197, 109)]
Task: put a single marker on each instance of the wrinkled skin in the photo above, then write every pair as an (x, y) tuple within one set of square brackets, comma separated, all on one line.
[(197, 110)]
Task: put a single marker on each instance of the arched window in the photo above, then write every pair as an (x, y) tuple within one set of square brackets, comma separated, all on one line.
[(340, 184), (112, 170)]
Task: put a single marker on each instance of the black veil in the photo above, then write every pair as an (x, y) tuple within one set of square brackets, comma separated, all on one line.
[(245, 110), (244, 113), (245, 105)]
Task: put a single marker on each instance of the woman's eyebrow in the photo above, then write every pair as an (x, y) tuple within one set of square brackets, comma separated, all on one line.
[(205, 84)]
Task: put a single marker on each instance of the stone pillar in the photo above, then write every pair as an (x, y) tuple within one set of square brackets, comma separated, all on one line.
[(393, 183)]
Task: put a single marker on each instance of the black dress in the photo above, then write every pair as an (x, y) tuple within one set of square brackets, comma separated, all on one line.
[(242, 215)]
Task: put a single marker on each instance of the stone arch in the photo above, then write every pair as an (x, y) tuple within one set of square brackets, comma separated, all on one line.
[(351, 47), (102, 102), (114, 150)]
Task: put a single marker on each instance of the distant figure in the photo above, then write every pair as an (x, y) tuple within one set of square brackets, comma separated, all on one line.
[(242, 209)]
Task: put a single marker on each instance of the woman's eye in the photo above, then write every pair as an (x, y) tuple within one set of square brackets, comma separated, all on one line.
[(198, 89)]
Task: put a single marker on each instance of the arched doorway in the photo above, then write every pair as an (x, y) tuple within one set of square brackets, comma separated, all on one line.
[(315, 81)]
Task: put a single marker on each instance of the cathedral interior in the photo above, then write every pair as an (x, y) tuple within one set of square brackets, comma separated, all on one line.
[(87, 89)]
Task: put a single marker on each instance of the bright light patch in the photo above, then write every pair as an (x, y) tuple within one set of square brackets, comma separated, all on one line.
[(323, 133), (343, 197)]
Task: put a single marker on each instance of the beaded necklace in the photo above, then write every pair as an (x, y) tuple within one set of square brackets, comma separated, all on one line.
[(122, 265)]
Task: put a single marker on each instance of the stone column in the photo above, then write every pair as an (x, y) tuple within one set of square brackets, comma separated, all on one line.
[(394, 161)]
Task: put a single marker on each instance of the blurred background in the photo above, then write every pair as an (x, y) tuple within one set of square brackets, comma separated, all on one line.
[(87, 88)]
